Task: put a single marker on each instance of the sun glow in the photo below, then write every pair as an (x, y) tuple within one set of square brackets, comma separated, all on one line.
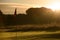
[(36, 6), (55, 6)]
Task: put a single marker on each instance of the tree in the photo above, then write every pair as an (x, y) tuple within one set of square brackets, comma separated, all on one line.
[(1, 18), (40, 15)]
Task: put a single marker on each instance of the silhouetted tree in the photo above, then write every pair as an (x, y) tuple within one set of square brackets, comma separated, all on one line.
[(40, 15), (1, 13), (1, 18)]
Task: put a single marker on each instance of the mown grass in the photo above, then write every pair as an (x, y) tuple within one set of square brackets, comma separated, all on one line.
[(39, 36), (31, 32), (31, 35)]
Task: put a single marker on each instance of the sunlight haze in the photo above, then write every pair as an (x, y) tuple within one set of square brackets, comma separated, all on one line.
[(10, 5)]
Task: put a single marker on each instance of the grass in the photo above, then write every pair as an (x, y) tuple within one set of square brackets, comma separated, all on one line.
[(32, 35), (39, 36), (7, 35), (31, 32)]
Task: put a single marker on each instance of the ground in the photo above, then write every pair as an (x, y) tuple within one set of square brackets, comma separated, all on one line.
[(32, 35)]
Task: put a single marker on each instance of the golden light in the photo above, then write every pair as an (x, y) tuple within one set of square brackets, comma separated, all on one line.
[(54, 6), (36, 6)]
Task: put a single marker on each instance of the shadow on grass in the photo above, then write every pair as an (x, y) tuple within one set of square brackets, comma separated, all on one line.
[(43, 36)]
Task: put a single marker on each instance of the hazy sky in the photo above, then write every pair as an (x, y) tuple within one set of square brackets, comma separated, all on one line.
[(34, 2), (43, 3)]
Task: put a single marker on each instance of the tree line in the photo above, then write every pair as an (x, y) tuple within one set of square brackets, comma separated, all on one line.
[(33, 16)]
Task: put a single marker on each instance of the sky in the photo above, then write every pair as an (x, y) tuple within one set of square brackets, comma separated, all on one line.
[(30, 2), (8, 6)]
